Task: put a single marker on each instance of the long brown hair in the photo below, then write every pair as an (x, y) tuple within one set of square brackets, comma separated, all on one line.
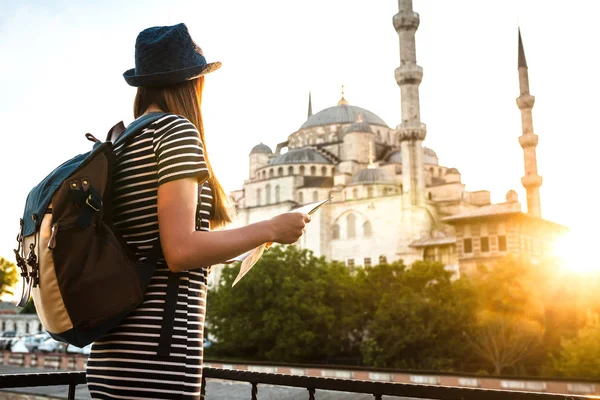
[(185, 99)]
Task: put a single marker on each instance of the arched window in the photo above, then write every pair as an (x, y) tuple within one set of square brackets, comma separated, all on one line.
[(324, 171), (268, 194), (335, 232), (315, 196), (333, 171), (277, 198), (367, 229), (280, 171), (313, 170), (302, 170), (382, 260), (431, 171), (429, 195), (271, 173), (290, 170), (257, 174), (351, 223), (401, 189), (369, 192), (26, 328), (301, 198), (355, 193), (258, 196)]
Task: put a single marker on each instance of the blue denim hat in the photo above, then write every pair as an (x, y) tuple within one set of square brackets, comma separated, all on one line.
[(165, 55)]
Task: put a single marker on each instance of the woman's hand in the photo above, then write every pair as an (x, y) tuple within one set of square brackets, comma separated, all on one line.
[(287, 228)]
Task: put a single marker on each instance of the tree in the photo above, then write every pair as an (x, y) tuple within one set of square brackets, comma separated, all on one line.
[(419, 319), (510, 313), (8, 276), (579, 357), (291, 307), (504, 340)]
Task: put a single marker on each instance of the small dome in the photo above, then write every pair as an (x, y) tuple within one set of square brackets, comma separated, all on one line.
[(429, 159), (452, 171), (300, 156), (372, 175), (261, 149)]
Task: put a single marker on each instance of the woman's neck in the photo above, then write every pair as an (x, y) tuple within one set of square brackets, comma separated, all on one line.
[(152, 108)]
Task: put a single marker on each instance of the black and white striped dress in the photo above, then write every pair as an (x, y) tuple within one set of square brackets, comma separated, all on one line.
[(124, 364)]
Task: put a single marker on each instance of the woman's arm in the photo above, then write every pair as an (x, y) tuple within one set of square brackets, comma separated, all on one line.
[(185, 248)]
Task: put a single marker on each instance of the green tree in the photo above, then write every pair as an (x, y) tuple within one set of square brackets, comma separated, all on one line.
[(291, 307), (8, 276), (510, 313), (419, 318), (579, 357)]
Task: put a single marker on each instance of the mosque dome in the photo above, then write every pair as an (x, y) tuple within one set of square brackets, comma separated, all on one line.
[(452, 171), (372, 175), (261, 149), (430, 157), (358, 126), (300, 156), (342, 113)]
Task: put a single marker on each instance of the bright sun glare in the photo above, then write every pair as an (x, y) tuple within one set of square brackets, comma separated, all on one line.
[(569, 249)]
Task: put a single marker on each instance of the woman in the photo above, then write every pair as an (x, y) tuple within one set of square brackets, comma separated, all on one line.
[(163, 178)]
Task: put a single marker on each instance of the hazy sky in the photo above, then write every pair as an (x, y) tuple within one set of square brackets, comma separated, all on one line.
[(61, 64)]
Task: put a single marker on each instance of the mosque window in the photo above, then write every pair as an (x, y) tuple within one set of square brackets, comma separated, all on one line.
[(302, 170), (367, 229), (26, 328), (355, 193), (431, 171), (280, 171), (382, 260), (313, 170), (268, 194), (367, 262), (351, 226), (324, 171), (264, 174), (369, 192), (502, 243), (335, 232), (429, 195), (401, 189), (467, 245), (315, 196), (484, 243), (332, 171), (301, 198), (277, 194), (290, 170), (271, 173), (258, 196)]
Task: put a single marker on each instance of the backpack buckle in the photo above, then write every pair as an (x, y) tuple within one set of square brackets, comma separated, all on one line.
[(93, 203)]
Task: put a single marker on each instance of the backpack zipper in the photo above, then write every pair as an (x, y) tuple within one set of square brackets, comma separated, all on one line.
[(52, 241)]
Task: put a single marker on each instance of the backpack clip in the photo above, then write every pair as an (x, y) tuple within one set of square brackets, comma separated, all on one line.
[(94, 204)]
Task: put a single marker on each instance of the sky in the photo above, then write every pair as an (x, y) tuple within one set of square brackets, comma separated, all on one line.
[(61, 65)]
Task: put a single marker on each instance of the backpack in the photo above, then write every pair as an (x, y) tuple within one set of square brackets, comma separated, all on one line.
[(83, 276)]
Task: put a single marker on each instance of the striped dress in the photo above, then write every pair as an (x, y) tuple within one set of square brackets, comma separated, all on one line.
[(124, 363)]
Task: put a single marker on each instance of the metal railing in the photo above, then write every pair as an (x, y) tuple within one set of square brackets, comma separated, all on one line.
[(312, 384)]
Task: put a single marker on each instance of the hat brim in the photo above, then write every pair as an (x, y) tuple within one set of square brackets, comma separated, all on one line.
[(170, 77)]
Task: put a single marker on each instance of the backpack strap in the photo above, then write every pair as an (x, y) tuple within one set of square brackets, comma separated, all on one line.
[(133, 128)]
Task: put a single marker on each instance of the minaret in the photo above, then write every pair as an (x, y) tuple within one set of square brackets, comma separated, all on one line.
[(528, 140), (411, 131), (309, 105)]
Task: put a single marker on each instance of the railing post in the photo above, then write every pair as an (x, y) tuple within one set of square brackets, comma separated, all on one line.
[(311, 393), (254, 391), (71, 395), (203, 387)]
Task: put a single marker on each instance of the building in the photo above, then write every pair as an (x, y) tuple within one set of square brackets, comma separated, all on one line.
[(391, 198)]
